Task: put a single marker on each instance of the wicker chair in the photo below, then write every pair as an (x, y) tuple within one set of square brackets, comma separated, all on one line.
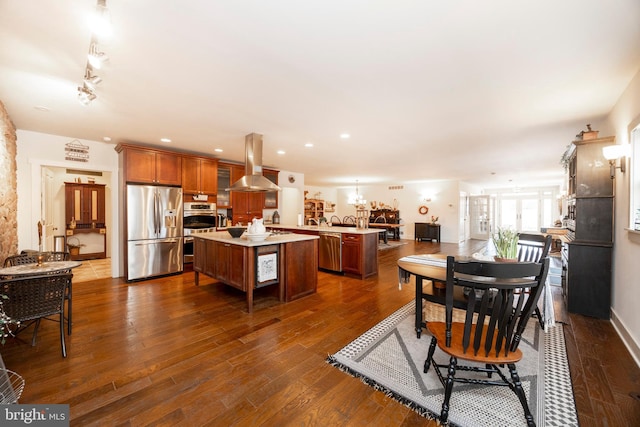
[(28, 257), (32, 298), (20, 259), (58, 256)]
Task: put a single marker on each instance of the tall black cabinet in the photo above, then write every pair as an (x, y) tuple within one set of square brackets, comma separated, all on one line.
[(588, 252)]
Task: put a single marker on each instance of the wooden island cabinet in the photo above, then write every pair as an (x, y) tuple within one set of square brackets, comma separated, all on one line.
[(359, 247), (283, 261)]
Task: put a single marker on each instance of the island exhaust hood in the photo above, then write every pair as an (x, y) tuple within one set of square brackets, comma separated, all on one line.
[(253, 181)]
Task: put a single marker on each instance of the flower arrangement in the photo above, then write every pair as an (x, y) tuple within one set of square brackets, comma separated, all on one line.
[(434, 219), (506, 243)]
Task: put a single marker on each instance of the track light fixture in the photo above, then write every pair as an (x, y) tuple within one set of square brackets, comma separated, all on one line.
[(90, 79), (100, 22), (85, 95), (95, 57), (101, 27)]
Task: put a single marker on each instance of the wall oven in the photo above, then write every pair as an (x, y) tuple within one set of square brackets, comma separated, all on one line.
[(199, 217)]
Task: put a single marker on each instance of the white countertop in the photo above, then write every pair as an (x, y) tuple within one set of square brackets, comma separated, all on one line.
[(223, 236), (325, 228)]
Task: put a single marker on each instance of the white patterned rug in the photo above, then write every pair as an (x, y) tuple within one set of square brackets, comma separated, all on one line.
[(390, 358)]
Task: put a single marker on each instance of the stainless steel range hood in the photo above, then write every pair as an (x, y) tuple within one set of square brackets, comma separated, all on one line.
[(253, 181)]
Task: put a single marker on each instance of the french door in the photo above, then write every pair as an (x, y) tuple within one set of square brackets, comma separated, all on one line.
[(481, 217), (520, 213)]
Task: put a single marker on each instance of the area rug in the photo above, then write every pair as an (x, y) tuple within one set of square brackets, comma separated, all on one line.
[(390, 244), (390, 358)]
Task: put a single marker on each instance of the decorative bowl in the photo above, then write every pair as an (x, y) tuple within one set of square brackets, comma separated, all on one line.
[(259, 237), (236, 231)]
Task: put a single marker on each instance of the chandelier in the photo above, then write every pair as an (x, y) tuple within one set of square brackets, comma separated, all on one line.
[(357, 200), (101, 28)]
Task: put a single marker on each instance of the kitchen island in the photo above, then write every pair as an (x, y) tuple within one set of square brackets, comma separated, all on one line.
[(358, 254), (289, 261)]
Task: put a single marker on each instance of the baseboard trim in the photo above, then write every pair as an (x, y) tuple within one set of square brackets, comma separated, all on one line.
[(627, 339)]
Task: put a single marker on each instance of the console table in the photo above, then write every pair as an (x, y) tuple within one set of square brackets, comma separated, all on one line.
[(427, 231)]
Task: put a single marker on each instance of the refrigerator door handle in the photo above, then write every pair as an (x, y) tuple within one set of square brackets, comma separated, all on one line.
[(156, 210)]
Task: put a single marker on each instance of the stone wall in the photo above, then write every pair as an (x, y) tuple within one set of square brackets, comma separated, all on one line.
[(8, 186)]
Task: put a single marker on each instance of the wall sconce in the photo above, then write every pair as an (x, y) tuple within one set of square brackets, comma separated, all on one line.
[(613, 153)]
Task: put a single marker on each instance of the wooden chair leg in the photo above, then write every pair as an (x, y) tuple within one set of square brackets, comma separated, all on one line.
[(515, 378), (540, 319), (432, 349), (451, 373)]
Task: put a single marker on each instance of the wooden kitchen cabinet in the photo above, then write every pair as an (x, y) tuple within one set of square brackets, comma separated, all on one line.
[(230, 264), (360, 254), (223, 196), (85, 204), (199, 176), (313, 209), (244, 206), (221, 261), (148, 166)]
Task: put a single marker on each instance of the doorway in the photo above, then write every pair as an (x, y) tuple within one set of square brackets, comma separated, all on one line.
[(53, 179)]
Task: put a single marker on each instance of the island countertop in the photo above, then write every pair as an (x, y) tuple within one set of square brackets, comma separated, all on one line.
[(225, 237), (325, 228)]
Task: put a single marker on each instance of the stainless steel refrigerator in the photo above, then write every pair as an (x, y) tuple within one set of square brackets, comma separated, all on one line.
[(154, 231)]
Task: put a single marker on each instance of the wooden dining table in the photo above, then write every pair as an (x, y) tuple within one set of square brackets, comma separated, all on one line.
[(34, 269)]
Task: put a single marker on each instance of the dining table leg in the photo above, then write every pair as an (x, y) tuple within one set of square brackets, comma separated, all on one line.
[(419, 325)]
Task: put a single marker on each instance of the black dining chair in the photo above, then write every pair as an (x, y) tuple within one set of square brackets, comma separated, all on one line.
[(29, 299), (533, 248), (496, 315)]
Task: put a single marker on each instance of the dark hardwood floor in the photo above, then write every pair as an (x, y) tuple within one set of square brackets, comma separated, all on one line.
[(165, 352)]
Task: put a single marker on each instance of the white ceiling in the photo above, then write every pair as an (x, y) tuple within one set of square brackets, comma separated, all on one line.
[(427, 89)]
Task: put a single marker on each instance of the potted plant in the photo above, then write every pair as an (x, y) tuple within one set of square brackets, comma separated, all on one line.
[(506, 243)]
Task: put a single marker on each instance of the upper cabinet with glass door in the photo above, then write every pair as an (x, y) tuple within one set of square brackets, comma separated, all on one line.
[(271, 197)]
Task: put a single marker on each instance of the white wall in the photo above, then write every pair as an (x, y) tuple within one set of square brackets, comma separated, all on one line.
[(36, 150), (444, 203), (626, 251)]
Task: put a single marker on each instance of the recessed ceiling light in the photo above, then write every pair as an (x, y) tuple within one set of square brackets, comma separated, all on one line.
[(165, 140), (281, 151), (345, 136), (308, 145), (218, 150), (106, 139), (42, 108)]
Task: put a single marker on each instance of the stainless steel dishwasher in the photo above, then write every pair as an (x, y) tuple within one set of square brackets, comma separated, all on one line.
[(330, 251)]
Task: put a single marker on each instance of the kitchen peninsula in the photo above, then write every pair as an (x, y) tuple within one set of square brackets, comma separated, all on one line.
[(357, 248), (289, 261)]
